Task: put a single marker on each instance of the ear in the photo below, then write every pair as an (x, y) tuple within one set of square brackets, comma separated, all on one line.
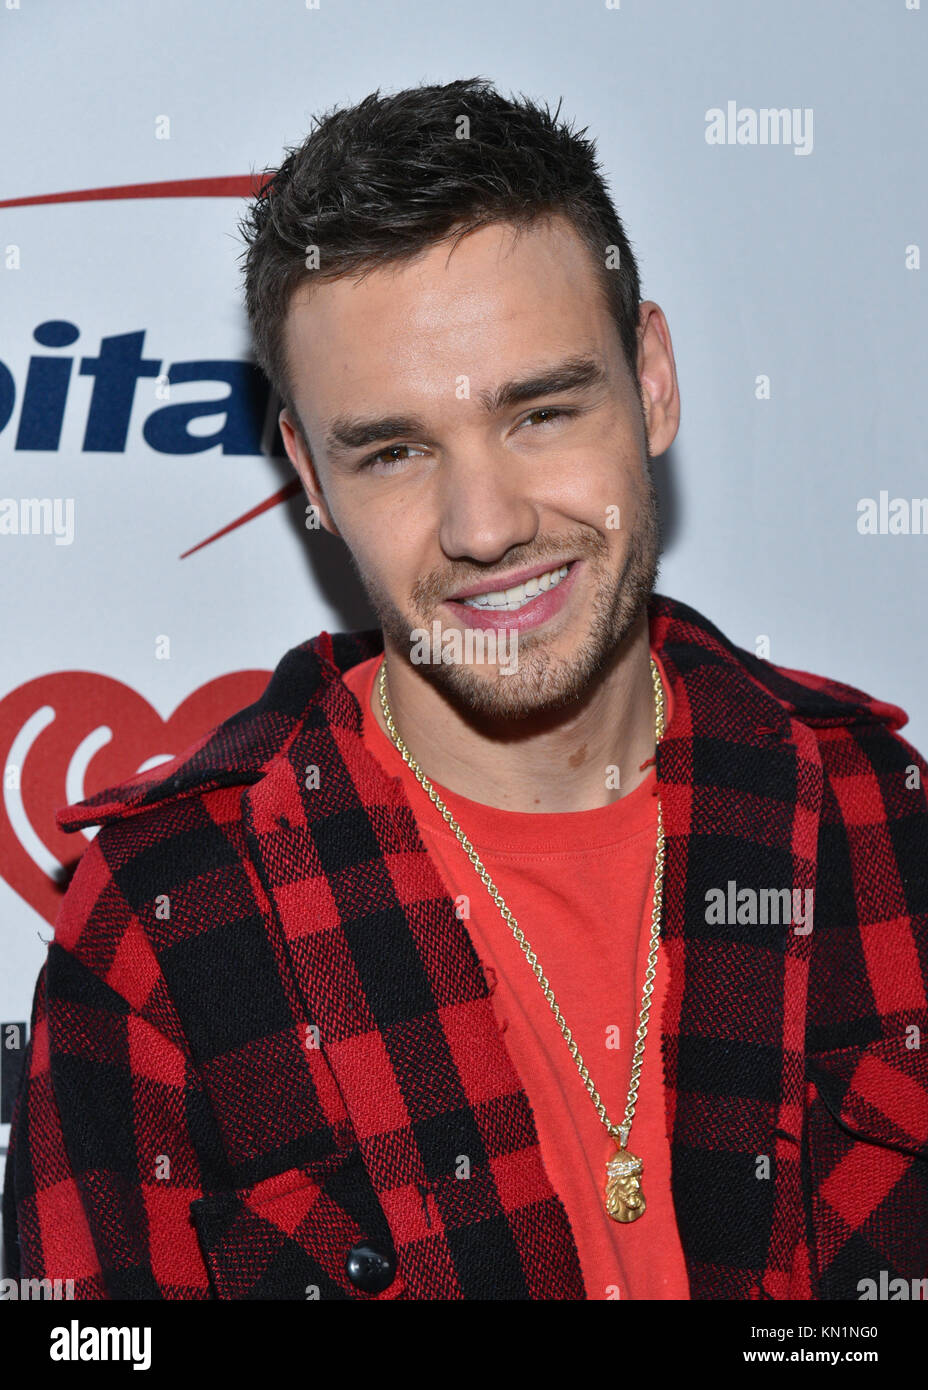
[(302, 460), (657, 374)]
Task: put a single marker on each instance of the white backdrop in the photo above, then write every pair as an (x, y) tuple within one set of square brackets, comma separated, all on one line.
[(789, 274)]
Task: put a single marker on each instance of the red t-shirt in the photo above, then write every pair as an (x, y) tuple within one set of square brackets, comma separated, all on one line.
[(580, 885)]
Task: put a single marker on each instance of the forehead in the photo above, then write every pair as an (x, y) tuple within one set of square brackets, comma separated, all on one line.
[(471, 308)]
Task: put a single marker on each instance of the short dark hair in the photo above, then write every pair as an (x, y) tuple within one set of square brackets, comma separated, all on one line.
[(382, 180)]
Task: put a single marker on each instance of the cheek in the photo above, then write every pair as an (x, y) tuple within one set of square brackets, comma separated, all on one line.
[(597, 491), (388, 553), (599, 470)]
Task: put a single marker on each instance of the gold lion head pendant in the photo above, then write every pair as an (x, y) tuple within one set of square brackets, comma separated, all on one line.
[(624, 1197)]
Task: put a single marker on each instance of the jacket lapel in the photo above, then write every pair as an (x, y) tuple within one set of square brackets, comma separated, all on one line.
[(391, 981), (740, 788)]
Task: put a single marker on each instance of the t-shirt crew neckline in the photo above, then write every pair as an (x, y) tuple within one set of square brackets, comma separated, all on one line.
[(525, 832)]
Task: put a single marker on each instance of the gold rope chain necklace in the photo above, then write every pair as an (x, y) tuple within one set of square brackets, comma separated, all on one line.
[(624, 1198)]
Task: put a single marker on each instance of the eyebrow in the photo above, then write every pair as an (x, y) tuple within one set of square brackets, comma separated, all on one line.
[(347, 432)]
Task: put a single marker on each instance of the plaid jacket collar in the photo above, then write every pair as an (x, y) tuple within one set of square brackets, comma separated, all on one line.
[(740, 777)]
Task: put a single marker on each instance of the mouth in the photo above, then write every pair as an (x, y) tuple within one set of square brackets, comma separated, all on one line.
[(516, 596), (521, 607)]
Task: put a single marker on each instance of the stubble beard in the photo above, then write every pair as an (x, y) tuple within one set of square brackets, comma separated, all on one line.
[(542, 682)]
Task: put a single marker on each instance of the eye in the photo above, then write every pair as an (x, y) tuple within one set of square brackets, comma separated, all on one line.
[(383, 454), (552, 411)]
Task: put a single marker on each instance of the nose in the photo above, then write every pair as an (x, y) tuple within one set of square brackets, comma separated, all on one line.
[(485, 504)]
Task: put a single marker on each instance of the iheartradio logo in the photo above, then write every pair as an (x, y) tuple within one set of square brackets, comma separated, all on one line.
[(69, 734)]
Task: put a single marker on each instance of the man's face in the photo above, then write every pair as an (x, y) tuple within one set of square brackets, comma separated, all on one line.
[(442, 482)]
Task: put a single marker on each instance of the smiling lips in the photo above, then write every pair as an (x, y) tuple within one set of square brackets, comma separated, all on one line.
[(517, 595)]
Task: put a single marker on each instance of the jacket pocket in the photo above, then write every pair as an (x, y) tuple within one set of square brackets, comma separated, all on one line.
[(289, 1236), (867, 1115), (877, 1091)]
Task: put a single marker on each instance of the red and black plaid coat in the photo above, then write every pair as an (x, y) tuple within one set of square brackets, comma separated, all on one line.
[(263, 1038)]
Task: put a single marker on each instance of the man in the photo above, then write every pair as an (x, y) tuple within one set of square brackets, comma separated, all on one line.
[(586, 963)]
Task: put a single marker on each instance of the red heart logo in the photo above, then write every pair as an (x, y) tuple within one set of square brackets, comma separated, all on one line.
[(70, 734)]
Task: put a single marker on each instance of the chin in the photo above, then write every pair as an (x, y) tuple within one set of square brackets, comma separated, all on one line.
[(539, 686)]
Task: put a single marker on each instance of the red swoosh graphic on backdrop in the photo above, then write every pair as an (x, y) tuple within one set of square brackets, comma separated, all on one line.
[(290, 490), (227, 186)]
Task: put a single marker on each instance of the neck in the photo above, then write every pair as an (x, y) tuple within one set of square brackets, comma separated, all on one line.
[(558, 761)]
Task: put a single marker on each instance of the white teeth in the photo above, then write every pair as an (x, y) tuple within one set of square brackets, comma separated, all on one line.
[(519, 594)]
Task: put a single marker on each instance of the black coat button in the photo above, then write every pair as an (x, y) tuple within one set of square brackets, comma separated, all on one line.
[(370, 1269)]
